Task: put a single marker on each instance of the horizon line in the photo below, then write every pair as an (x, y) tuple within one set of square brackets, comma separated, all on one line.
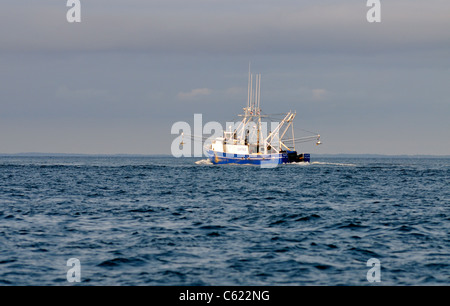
[(49, 154)]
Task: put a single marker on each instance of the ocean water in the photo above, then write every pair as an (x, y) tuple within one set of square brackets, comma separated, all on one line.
[(168, 221)]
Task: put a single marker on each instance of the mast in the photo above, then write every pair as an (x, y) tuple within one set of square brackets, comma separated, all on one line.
[(252, 111), (259, 107), (251, 92), (259, 94), (257, 110), (248, 91)]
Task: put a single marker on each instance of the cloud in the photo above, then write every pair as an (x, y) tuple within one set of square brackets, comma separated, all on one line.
[(319, 94), (145, 64), (236, 90), (194, 93), (63, 92), (226, 27)]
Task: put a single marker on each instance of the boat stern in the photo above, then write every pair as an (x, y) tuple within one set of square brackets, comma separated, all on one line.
[(294, 157)]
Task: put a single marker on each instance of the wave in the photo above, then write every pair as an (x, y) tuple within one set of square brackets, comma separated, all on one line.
[(300, 163), (208, 162), (333, 164), (203, 162)]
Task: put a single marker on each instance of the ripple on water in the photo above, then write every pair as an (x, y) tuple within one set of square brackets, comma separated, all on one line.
[(167, 221)]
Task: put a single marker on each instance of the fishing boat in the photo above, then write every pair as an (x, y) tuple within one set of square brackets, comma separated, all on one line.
[(250, 142)]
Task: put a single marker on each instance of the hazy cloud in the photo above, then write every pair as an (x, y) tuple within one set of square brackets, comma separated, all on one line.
[(117, 79), (194, 93), (318, 94), (236, 91), (223, 27), (63, 92)]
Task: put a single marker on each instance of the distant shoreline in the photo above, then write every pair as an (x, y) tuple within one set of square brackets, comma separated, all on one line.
[(341, 155)]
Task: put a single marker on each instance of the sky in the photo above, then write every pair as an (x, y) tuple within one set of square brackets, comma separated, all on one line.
[(117, 81)]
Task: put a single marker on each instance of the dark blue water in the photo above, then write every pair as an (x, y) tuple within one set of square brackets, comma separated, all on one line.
[(167, 221)]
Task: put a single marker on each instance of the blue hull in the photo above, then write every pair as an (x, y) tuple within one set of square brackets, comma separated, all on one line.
[(256, 159)]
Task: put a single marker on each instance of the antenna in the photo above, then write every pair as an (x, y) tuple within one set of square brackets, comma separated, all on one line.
[(256, 93), (259, 94), (248, 91), (251, 92)]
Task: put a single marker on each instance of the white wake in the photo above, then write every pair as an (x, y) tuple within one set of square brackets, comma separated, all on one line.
[(333, 164), (203, 162)]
